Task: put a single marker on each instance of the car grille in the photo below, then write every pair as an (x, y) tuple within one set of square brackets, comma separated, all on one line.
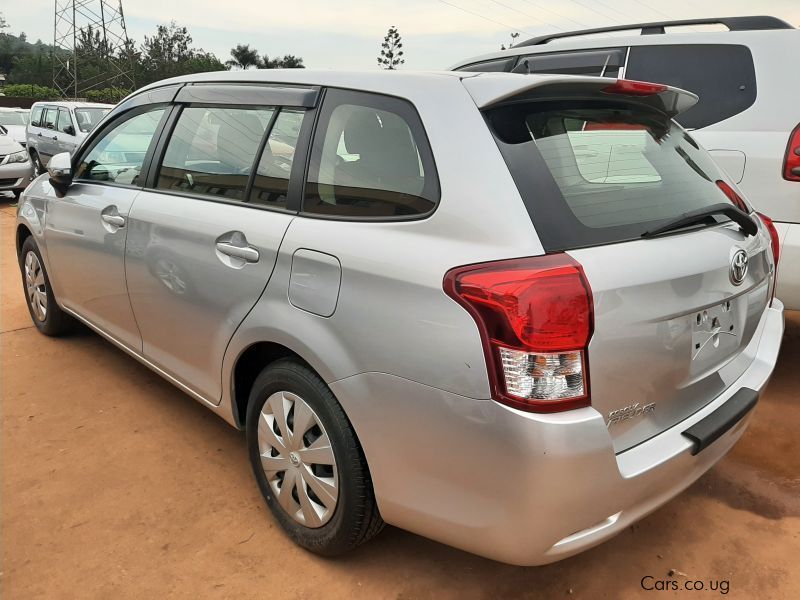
[(4, 182)]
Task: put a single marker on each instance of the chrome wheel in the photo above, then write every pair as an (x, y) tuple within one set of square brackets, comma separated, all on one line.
[(35, 286), (297, 459)]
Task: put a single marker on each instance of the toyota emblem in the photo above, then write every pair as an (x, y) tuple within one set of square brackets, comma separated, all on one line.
[(738, 267)]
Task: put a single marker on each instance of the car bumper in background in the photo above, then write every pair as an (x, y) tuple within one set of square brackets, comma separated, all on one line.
[(525, 488), (15, 176)]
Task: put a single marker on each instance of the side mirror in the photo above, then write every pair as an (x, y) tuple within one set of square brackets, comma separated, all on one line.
[(69, 130), (60, 170)]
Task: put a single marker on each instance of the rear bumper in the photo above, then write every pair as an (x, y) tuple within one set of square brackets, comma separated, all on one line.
[(522, 488)]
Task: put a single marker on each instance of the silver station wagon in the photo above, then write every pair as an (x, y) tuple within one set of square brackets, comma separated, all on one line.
[(510, 313)]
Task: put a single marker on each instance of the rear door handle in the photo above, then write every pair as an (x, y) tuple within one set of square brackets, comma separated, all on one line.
[(245, 253), (115, 220)]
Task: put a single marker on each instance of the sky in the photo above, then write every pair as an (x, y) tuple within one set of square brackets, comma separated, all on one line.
[(346, 34)]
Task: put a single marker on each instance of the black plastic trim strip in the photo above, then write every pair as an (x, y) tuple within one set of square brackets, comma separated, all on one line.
[(248, 95), (709, 429)]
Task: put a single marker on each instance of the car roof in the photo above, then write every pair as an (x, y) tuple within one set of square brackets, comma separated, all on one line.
[(71, 104), (589, 42), (375, 80)]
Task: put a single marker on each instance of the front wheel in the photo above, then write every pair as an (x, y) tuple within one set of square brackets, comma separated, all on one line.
[(308, 462), (45, 312)]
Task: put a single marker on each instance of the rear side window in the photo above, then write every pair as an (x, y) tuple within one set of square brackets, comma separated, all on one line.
[(605, 62), (370, 159), (600, 172), (36, 116), (271, 183), (722, 75), (212, 150)]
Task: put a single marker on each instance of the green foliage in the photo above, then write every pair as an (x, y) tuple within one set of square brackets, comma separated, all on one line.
[(289, 61), (391, 55), (243, 57), (26, 90), (110, 95)]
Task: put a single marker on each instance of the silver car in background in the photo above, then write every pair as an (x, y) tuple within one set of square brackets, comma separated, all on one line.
[(60, 126), (16, 170), (15, 121), (512, 314)]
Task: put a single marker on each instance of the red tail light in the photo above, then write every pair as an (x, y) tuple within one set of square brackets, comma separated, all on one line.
[(773, 234), (735, 198), (535, 316), (791, 162), (629, 87)]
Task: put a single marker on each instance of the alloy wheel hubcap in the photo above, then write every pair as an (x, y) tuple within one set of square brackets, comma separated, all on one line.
[(297, 459), (35, 286)]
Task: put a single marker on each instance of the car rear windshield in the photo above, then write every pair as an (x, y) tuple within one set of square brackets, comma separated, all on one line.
[(88, 118), (13, 118), (602, 172)]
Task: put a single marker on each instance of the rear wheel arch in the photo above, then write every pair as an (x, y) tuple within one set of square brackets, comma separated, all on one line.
[(250, 363)]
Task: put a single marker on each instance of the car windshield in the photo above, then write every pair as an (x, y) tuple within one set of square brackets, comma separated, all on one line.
[(88, 118), (13, 118), (618, 170)]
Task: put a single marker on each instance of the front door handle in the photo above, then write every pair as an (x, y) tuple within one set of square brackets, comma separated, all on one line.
[(246, 253), (115, 220)]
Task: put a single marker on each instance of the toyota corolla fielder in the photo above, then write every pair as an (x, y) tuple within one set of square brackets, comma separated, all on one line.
[(510, 313)]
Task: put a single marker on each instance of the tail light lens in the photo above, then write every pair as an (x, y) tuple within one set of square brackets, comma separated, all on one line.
[(773, 234), (791, 162), (776, 248), (735, 198), (535, 316)]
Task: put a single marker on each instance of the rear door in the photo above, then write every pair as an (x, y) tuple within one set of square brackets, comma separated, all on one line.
[(47, 133), (674, 313), (204, 239)]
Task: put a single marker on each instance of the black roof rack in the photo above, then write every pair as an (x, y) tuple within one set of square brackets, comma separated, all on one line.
[(733, 23)]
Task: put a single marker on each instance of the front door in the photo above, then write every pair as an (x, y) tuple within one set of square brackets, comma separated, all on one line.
[(86, 230)]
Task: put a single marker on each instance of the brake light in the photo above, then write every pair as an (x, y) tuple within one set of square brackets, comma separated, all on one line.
[(735, 198), (791, 162), (535, 317), (629, 87), (773, 234)]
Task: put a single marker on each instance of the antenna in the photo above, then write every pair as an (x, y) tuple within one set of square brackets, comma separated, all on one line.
[(102, 23)]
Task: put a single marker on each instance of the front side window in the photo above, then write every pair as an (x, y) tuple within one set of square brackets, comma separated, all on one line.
[(88, 118), (65, 122), (370, 159), (36, 116), (271, 183), (212, 151), (119, 155)]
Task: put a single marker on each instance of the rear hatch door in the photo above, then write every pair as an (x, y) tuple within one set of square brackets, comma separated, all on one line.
[(601, 166)]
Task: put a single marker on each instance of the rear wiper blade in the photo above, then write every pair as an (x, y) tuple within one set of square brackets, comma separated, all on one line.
[(696, 217)]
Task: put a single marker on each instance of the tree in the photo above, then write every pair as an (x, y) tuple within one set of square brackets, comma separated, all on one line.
[(243, 57), (169, 53), (391, 50), (289, 61), (514, 37)]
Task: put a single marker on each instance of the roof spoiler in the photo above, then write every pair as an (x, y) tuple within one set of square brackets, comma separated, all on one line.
[(490, 90)]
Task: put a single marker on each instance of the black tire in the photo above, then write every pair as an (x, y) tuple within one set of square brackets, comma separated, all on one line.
[(56, 321), (355, 518)]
